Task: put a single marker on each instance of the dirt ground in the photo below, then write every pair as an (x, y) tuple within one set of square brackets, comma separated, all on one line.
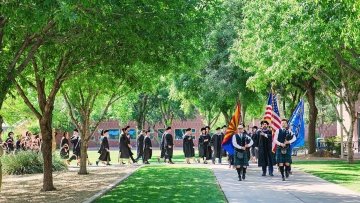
[(70, 186)]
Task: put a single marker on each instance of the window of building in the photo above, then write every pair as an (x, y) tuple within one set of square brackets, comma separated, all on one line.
[(179, 133), (160, 133), (114, 134), (132, 133)]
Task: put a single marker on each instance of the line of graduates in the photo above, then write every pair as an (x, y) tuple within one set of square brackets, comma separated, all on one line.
[(144, 147), (209, 147), (260, 141)]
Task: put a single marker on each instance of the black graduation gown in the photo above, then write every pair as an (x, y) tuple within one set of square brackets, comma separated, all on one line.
[(204, 146), (147, 149), (76, 145), (216, 141), (223, 152), (188, 146), (162, 146), (266, 157), (104, 154), (64, 151), (169, 145), (140, 145), (124, 148), (208, 147), (10, 144)]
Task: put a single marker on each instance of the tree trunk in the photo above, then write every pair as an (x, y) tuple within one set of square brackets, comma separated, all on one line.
[(226, 116), (1, 117), (83, 157), (46, 149), (243, 113), (1, 123), (84, 146), (310, 94), (1, 153), (350, 157)]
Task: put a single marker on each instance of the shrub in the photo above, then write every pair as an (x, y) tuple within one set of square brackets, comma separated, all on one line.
[(333, 144), (28, 162)]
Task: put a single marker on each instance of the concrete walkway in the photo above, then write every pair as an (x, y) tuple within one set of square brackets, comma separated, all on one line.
[(300, 187)]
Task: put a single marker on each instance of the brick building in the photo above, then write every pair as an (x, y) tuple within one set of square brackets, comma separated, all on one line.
[(114, 127)]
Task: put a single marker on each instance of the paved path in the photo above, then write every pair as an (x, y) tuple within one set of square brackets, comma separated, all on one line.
[(300, 187)]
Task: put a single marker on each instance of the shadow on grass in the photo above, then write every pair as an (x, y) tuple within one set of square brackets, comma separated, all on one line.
[(335, 171), (167, 184)]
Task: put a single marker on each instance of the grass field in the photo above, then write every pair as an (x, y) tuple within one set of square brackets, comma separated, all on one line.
[(335, 171), (165, 183)]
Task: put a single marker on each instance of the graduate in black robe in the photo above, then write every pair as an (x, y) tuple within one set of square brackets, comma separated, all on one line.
[(264, 143), (147, 147), (140, 146), (65, 146), (223, 132), (208, 148), (188, 146), (169, 145), (203, 145), (104, 148), (75, 141), (215, 143), (124, 145), (162, 148), (9, 143)]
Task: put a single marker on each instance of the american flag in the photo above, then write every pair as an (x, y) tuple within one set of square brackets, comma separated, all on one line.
[(272, 115)]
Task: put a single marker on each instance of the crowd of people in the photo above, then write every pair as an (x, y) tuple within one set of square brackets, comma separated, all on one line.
[(27, 142), (256, 145)]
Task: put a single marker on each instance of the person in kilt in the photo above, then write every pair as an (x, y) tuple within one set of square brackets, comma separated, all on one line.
[(283, 138), (241, 141)]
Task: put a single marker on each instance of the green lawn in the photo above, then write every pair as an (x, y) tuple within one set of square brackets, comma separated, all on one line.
[(167, 184), (335, 171)]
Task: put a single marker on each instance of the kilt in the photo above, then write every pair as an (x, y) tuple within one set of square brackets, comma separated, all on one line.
[(283, 158), (244, 161)]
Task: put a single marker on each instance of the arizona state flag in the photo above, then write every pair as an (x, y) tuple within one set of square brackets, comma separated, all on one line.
[(231, 130)]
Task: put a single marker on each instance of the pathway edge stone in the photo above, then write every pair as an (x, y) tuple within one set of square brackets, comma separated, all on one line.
[(110, 187), (218, 183)]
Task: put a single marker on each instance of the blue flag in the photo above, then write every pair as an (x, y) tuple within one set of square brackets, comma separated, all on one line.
[(297, 125)]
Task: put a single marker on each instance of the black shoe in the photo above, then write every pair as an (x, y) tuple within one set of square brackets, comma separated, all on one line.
[(171, 162), (240, 178), (283, 178), (108, 164), (286, 174), (243, 176), (97, 163), (271, 174), (264, 174)]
